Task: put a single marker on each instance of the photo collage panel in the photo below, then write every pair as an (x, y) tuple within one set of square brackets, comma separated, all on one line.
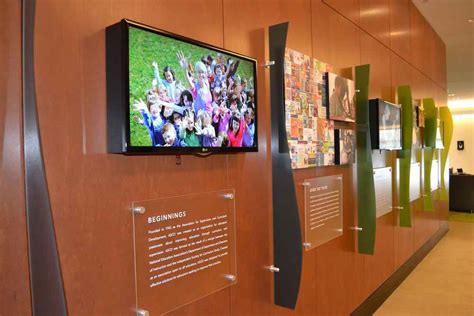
[(310, 134)]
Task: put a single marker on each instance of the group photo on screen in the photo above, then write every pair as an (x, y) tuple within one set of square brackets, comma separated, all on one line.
[(185, 95)]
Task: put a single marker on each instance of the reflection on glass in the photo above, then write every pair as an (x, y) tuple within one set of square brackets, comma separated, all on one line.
[(184, 249)]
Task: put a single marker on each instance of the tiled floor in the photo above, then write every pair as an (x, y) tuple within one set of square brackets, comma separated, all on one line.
[(443, 283)]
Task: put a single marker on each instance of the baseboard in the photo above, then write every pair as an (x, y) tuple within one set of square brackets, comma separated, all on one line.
[(376, 299)]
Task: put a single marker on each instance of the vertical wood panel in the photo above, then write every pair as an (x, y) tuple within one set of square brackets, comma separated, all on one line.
[(250, 173), (378, 56), (400, 74), (417, 38), (14, 273), (375, 19), (338, 266), (91, 191), (377, 268), (400, 28), (403, 236), (348, 8), (335, 39), (404, 241), (380, 266)]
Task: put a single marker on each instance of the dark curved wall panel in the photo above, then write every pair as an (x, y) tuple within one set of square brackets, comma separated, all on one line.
[(47, 294), (287, 243)]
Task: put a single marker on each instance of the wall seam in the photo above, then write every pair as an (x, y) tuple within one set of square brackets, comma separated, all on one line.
[(363, 30)]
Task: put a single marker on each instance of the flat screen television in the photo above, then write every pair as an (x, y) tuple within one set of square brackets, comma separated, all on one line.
[(385, 125), (168, 94)]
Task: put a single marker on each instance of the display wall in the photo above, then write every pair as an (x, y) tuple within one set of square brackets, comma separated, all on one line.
[(91, 191)]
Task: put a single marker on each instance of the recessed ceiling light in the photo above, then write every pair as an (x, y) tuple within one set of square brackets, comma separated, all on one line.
[(470, 20)]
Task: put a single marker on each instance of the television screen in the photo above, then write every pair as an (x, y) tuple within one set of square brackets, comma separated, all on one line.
[(385, 125), (341, 98), (181, 96)]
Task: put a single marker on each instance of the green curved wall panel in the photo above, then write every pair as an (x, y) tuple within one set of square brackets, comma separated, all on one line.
[(430, 144), (366, 215), (447, 119), (404, 98)]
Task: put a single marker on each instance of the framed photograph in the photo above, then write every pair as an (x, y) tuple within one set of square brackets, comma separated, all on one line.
[(345, 143), (417, 141), (420, 113), (341, 98)]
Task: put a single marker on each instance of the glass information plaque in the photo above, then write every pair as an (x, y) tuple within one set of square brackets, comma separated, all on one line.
[(434, 175), (184, 249), (415, 181), (323, 210), (383, 190)]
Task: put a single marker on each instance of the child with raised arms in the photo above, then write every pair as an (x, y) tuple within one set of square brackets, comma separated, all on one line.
[(200, 89)]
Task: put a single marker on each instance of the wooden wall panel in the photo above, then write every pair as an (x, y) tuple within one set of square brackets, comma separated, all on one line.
[(347, 8), (380, 266), (441, 62), (338, 267), (404, 245), (403, 236), (417, 38), (91, 191), (400, 28), (430, 53), (298, 13), (375, 19), (335, 39), (14, 272), (440, 75), (400, 74), (378, 56), (426, 223), (254, 236)]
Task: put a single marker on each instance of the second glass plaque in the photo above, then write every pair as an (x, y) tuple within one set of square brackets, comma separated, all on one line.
[(323, 210)]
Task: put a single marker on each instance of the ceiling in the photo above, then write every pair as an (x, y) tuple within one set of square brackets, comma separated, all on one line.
[(450, 18)]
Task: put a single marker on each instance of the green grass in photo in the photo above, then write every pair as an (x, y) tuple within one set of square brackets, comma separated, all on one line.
[(146, 47)]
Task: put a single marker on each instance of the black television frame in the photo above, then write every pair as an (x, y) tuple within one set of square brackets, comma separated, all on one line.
[(118, 94), (374, 105)]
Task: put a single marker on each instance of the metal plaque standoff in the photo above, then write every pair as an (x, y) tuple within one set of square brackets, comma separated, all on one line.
[(383, 190), (323, 210), (184, 249)]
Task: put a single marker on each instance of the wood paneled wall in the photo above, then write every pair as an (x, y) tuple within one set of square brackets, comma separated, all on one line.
[(91, 191), (14, 273)]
